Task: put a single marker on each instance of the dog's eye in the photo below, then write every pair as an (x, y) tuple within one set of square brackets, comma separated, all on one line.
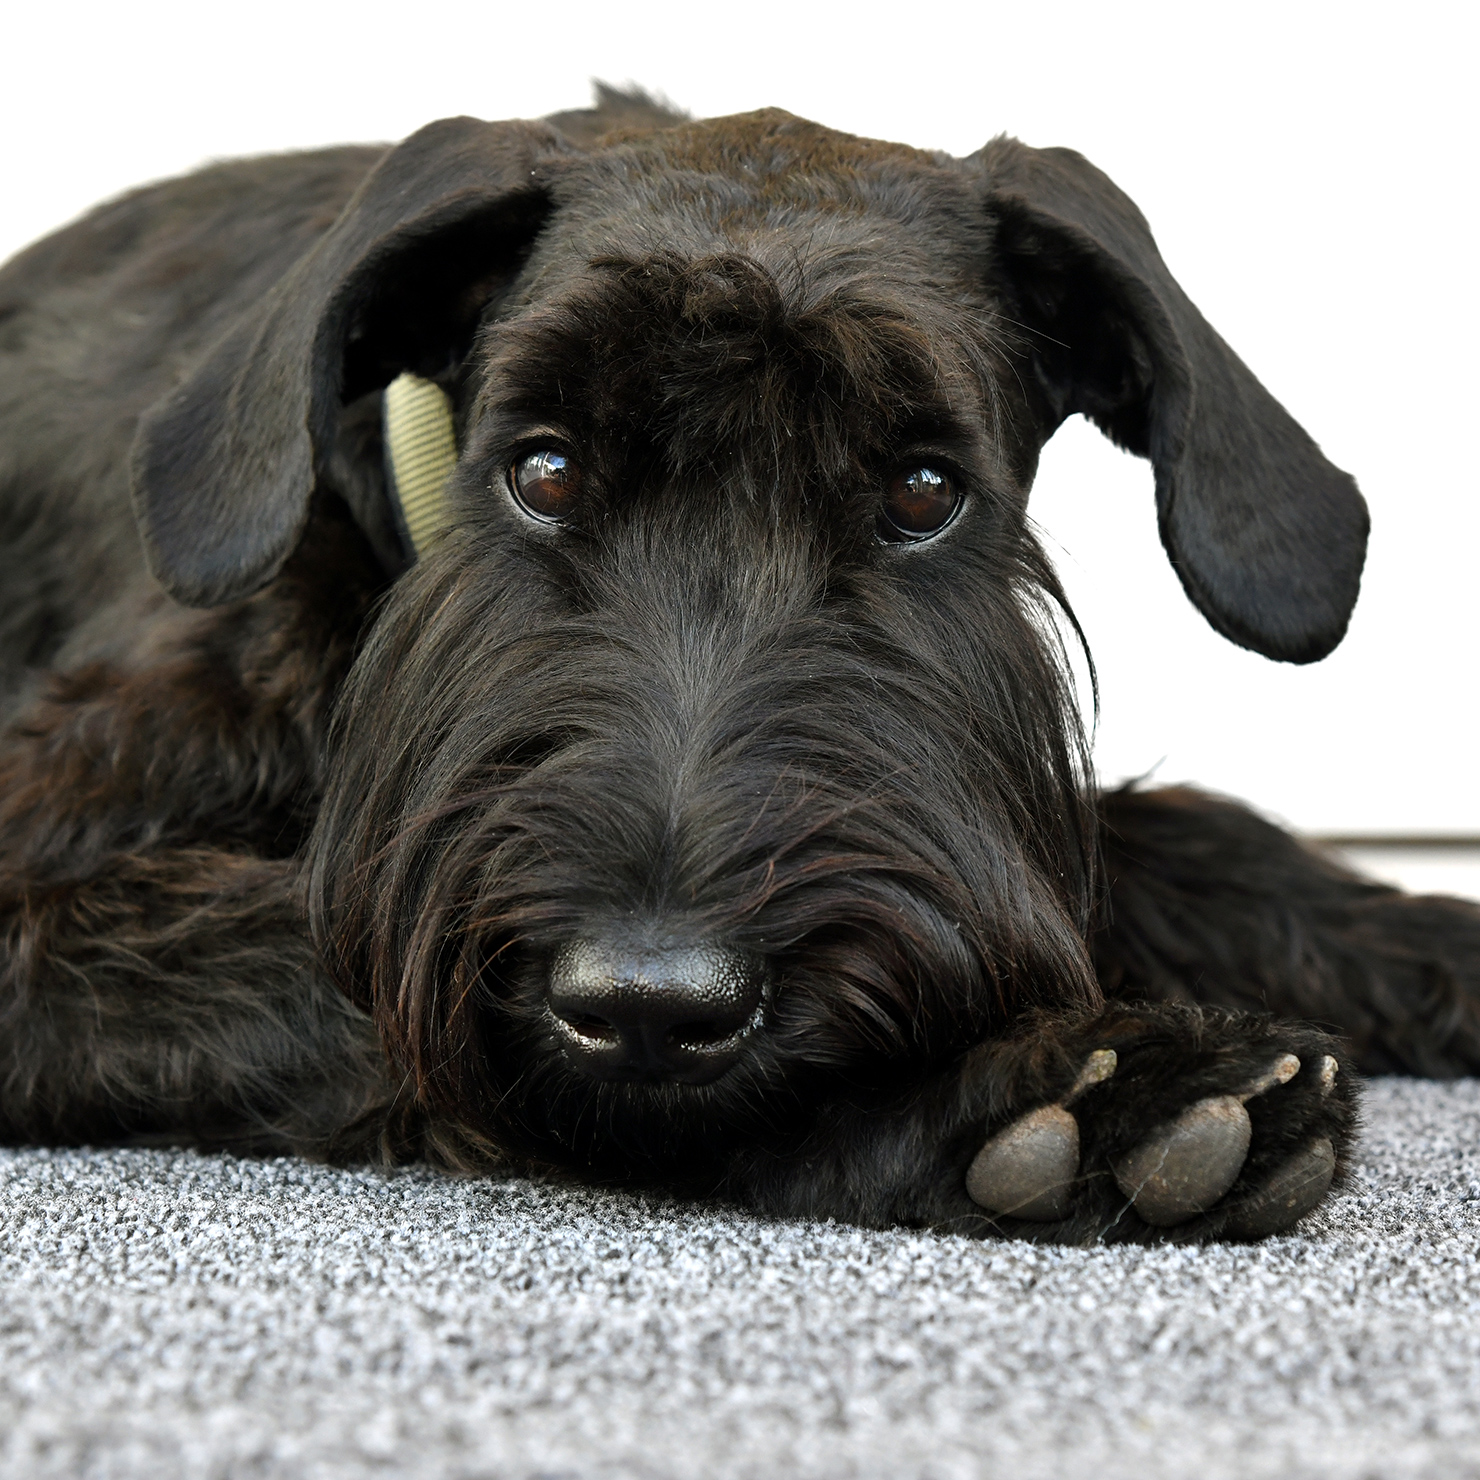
[(546, 483), (918, 504)]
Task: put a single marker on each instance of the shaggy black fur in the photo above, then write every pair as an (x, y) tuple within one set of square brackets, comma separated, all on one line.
[(292, 826)]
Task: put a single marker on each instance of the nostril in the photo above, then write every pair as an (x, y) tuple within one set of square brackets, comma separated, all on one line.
[(698, 1035), (595, 1027)]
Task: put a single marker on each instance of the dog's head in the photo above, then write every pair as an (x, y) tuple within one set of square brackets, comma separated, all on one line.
[(719, 752)]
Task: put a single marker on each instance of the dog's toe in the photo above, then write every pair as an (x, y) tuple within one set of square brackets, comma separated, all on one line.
[(1288, 1196), (1183, 1167), (1028, 1170)]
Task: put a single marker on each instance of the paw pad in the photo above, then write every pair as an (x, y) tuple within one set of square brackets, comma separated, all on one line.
[(1182, 1168), (1028, 1170), (1289, 1195)]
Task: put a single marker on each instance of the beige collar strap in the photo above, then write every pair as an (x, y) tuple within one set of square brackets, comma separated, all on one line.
[(420, 454)]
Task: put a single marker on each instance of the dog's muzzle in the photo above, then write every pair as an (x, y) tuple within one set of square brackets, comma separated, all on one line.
[(655, 1013)]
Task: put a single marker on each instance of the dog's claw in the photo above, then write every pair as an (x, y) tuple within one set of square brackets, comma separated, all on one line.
[(1028, 1170), (1182, 1168), (1326, 1070), (1282, 1071), (1289, 1195), (1098, 1067)]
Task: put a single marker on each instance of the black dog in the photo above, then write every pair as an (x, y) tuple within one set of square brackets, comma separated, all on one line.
[(693, 791)]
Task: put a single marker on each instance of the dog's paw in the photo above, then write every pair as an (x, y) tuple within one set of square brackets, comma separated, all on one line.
[(1242, 1144)]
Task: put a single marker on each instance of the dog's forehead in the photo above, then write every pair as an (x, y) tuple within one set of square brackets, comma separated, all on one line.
[(771, 185), (770, 146), (718, 285)]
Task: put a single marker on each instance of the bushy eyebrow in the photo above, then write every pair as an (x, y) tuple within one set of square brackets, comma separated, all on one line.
[(720, 356)]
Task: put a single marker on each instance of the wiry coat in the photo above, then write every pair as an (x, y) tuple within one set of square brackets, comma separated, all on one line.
[(292, 824)]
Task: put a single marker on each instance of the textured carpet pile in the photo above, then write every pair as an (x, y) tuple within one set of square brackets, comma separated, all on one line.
[(165, 1314)]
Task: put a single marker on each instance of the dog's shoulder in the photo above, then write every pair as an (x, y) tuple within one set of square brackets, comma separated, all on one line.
[(97, 321), (253, 211)]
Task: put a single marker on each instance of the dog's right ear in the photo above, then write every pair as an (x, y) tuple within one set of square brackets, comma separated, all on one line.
[(1267, 537), (224, 467)]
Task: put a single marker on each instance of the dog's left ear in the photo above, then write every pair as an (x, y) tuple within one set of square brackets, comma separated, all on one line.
[(1267, 537), (224, 467)]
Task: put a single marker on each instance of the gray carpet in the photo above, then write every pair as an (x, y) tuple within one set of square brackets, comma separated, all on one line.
[(166, 1314)]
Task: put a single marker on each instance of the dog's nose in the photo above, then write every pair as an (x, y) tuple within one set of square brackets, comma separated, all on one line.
[(644, 1013)]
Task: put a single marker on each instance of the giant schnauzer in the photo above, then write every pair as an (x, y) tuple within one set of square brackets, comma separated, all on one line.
[(528, 645)]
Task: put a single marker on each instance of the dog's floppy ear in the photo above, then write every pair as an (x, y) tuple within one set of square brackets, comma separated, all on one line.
[(224, 467), (1267, 537)]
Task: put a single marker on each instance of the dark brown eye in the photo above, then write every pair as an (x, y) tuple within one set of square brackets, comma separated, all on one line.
[(546, 482), (918, 504)]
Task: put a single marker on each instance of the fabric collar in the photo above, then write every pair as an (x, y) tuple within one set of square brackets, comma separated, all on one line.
[(420, 453)]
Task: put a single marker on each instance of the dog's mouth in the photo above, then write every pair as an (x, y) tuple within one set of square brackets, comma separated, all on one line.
[(631, 1011)]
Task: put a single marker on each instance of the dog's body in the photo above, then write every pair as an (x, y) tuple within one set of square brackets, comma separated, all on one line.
[(707, 803)]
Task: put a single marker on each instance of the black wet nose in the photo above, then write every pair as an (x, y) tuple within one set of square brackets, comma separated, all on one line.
[(643, 1013)]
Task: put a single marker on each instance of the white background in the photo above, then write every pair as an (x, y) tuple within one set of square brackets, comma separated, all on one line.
[(1309, 171)]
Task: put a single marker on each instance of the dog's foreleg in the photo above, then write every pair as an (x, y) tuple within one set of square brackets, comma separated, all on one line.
[(156, 973), (174, 995), (1209, 903)]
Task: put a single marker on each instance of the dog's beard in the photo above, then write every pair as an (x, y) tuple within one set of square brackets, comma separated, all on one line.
[(914, 868)]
